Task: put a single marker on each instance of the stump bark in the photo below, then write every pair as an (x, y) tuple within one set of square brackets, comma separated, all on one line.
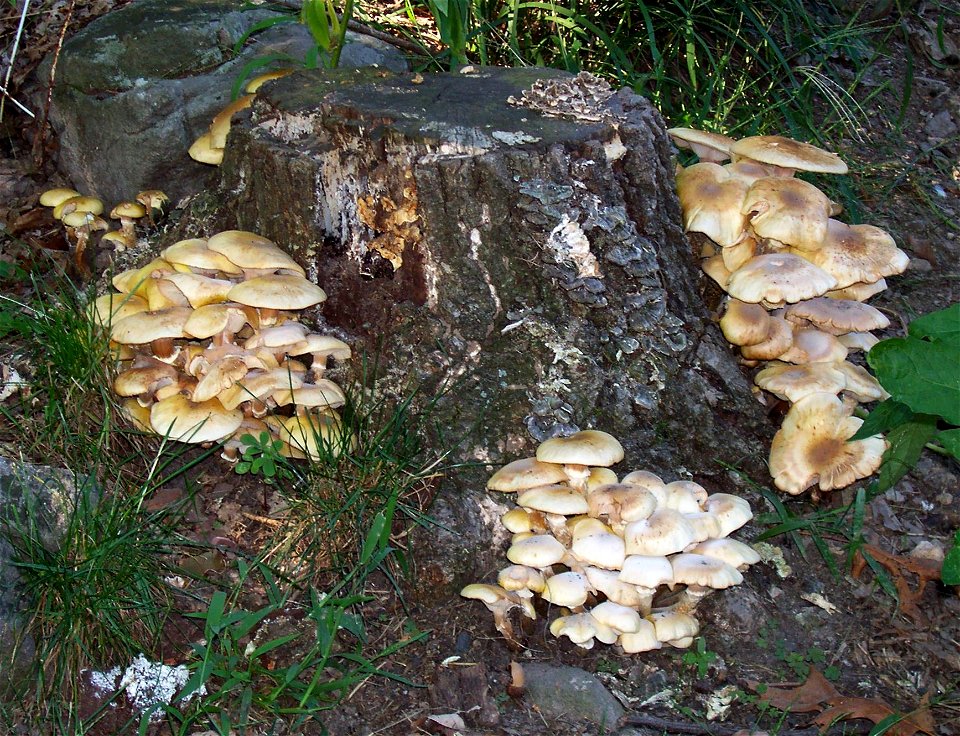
[(528, 258)]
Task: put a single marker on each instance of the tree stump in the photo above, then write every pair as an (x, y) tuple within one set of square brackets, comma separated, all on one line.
[(523, 252)]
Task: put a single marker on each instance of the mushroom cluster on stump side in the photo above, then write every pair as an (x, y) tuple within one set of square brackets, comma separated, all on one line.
[(796, 279), (606, 550), (212, 348)]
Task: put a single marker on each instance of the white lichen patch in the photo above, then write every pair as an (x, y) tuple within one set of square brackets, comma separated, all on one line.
[(10, 382), (490, 513), (773, 555), (146, 684), (569, 244), (514, 138), (718, 702), (290, 127), (614, 149)]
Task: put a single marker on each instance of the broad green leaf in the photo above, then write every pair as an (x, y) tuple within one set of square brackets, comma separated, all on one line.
[(906, 444), (950, 440), (372, 540), (885, 416), (950, 574), (943, 325), (923, 375)]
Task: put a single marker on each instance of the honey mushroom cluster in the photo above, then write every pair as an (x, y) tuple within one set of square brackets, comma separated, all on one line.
[(208, 148), (581, 538), (796, 280), (80, 215), (210, 345)]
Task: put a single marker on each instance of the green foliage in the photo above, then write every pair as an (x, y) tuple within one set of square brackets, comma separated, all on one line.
[(950, 574), (261, 456), (699, 658), (453, 21), (920, 373)]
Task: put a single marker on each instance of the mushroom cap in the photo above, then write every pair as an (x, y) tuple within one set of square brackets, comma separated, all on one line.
[(616, 590), (788, 154), (277, 291), (684, 496), (812, 447), (53, 197), (744, 323), (278, 336), (732, 511), (705, 525), (749, 170), (323, 393), (317, 435), (673, 626), (623, 501), (791, 211), (134, 280), (132, 210), (642, 640), (322, 346), (260, 384), (180, 419), (735, 256), (200, 290), (220, 376), (144, 377), (144, 327), (221, 121), (707, 572), (83, 218), (582, 629), (857, 253), (811, 345), (836, 316), (521, 475), (716, 269), (649, 482), (203, 151), (567, 589), (517, 520), (647, 571), (664, 532), (109, 308), (80, 203), (859, 383), (859, 291), (587, 447), (194, 253), (554, 499), (252, 251), (521, 577), (539, 550), (858, 341), (258, 81), (778, 277), (778, 341), (732, 551), (712, 201), (488, 594), (622, 619), (793, 382), (211, 319), (713, 147), (597, 547)]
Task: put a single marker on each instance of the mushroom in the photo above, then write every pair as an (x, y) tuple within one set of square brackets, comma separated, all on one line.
[(256, 255), (568, 589), (582, 629), (499, 602), (53, 197), (664, 532), (193, 255), (524, 474), (203, 151), (712, 147), (712, 200), (579, 451), (702, 575), (793, 382), (155, 202), (790, 211), (675, 628), (128, 213), (776, 278), (178, 418), (275, 292), (159, 328), (857, 253), (787, 155), (81, 224)]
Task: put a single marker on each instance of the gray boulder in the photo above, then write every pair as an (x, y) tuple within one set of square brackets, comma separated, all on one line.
[(136, 87)]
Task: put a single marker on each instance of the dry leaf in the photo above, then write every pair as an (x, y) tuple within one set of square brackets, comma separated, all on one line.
[(843, 709), (819, 601), (804, 698), (898, 566)]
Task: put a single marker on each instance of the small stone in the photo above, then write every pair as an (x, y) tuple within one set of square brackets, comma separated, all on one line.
[(570, 692)]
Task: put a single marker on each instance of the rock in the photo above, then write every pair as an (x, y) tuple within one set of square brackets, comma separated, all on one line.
[(137, 86), (528, 268), (941, 126), (41, 497), (566, 692)]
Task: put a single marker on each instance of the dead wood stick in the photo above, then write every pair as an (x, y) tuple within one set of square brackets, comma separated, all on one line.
[(707, 729), (39, 142)]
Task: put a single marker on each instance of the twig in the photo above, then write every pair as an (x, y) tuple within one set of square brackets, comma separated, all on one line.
[(40, 140), (708, 729), (400, 43), (13, 57), (6, 95)]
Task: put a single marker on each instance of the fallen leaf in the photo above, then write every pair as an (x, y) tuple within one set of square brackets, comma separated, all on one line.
[(898, 566), (804, 698), (843, 709), (819, 601)]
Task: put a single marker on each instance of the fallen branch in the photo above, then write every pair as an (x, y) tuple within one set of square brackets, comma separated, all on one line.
[(709, 729)]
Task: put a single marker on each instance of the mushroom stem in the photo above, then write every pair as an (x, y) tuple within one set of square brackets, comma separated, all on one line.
[(577, 475), (689, 598)]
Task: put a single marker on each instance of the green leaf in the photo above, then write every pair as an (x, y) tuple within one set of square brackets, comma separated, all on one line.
[(370, 544), (950, 574), (906, 444), (950, 440), (943, 325), (923, 375), (885, 416)]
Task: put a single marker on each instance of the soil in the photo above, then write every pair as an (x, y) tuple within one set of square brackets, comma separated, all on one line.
[(771, 629)]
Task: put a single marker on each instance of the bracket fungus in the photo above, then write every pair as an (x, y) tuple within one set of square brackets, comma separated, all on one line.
[(211, 342), (607, 551), (795, 281)]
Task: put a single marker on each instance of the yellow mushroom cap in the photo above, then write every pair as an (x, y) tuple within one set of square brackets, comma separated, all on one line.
[(79, 203), (53, 197), (258, 81), (587, 447), (779, 339), (144, 327), (110, 308), (181, 419), (776, 278), (791, 211), (521, 475), (195, 253), (707, 572), (837, 316), (712, 201), (858, 253), (664, 532), (251, 251), (277, 291), (221, 121), (793, 382), (200, 290), (554, 499), (812, 447), (132, 210), (788, 154), (744, 323), (203, 151), (712, 147)]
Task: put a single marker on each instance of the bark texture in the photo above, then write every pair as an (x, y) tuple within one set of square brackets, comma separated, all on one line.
[(533, 265)]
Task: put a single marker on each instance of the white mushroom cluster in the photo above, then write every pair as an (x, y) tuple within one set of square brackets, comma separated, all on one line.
[(212, 349), (797, 281), (607, 551)]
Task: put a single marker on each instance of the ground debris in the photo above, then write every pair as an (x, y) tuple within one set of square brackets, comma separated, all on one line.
[(897, 565)]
